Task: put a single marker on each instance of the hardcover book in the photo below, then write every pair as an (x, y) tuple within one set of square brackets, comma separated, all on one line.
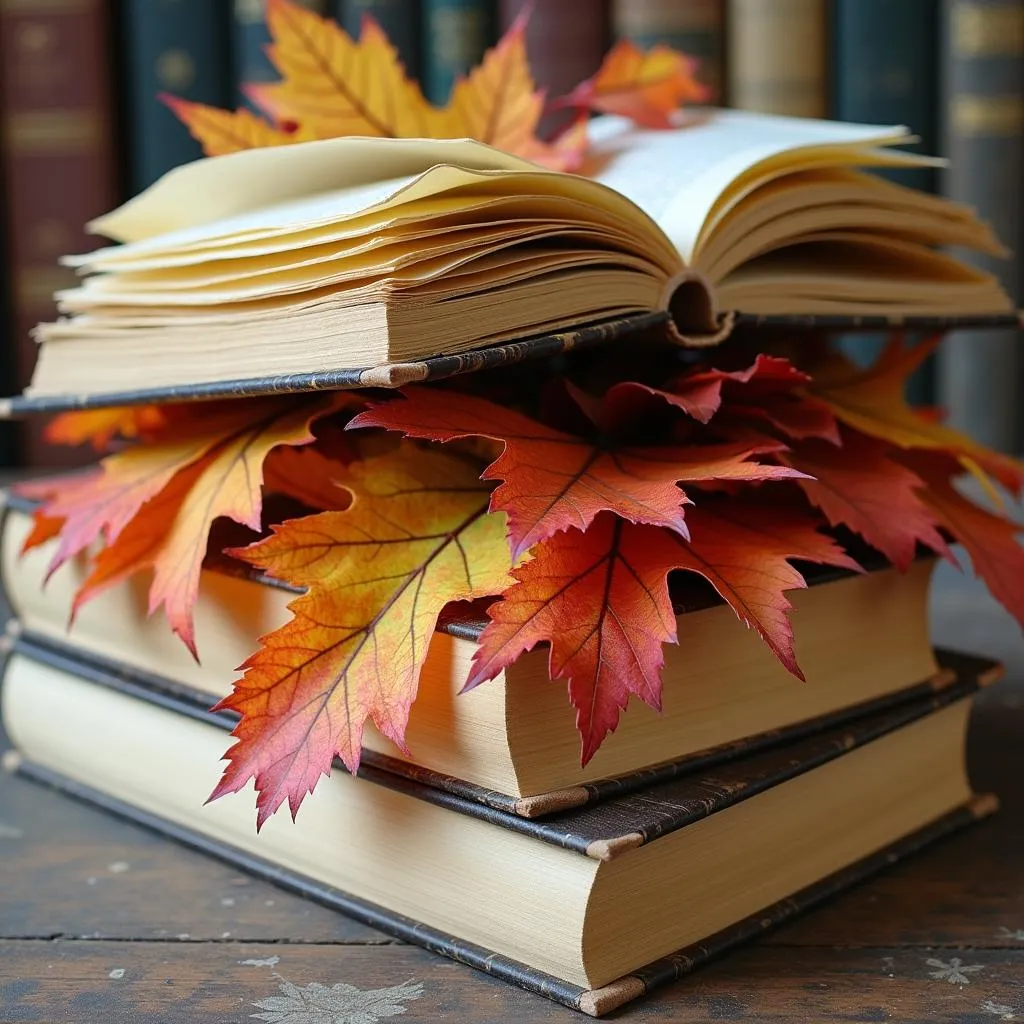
[(585, 907), (352, 252)]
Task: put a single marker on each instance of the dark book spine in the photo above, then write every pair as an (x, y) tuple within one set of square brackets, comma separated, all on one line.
[(177, 48), (981, 374), (566, 42), (249, 40), (400, 20), (696, 27), (776, 56), (885, 71), (59, 164), (455, 35)]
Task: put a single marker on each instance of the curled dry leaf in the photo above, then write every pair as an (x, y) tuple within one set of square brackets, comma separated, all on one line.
[(416, 536), (553, 480)]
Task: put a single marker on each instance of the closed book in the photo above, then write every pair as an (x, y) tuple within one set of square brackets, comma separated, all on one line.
[(862, 641), (250, 38), (362, 253), (695, 27), (983, 51), (884, 68), (591, 908), (565, 42), (776, 56), (176, 48), (455, 35), (400, 20), (59, 164)]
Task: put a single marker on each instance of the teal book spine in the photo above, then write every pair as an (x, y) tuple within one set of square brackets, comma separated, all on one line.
[(885, 59), (249, 41), (455, 35), (400, 20), (178, 48)]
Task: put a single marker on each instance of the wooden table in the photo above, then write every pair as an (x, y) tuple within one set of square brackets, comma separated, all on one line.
[(104, 923)]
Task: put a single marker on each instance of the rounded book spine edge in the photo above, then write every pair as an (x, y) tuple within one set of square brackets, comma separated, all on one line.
[(983, 805), (10, 761), (991, 675), (598, 1001), (608, 849), (12, 628), (548, 803), (694, 321), (393, 375), (6, 406)]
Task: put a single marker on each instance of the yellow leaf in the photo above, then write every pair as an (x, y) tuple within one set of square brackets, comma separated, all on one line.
[(223, 131)]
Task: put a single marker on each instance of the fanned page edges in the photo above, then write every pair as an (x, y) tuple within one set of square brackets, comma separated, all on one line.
[(622, 821), (607, 332)]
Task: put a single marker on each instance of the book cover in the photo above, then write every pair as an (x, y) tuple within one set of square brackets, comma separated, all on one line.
[(455, 35), (176, 48), (983, 70), (59, 164), (695, 27), (400, 20), (776, 56), (629, 825)]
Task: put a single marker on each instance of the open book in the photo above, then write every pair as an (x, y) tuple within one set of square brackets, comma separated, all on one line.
[(356, 252)]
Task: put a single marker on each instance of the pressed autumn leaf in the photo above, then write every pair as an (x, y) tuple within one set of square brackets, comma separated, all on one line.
[(224, 131), (308, 475), (332, 85), (647, 87), (600, 599), (554, 480), (100, 426), (859, 486), (990, 539), (416, 536), (872, 402)]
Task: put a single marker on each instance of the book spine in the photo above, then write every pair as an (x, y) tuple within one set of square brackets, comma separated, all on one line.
[(400, 20), (455, 35), (176, 48), (566, 42), (249, 39), (885, 71), (59, 164), (980, 373), (696, 27), (775, 56)]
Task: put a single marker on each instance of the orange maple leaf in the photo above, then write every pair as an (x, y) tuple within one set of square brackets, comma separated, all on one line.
[(100, 426), (872, 402), (646, 87), (600, 599), (554, 480), (416, 536), (225, 131)]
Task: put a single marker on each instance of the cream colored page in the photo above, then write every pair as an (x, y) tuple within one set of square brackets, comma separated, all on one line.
[(218, 187), (677, 176)]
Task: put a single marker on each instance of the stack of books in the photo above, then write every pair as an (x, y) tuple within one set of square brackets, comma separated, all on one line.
[(375, 262)]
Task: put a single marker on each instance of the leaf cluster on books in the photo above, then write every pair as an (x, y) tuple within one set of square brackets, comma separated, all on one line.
[(569, 503), (333, 85)]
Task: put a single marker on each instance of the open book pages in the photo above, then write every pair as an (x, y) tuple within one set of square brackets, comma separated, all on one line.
[(354, 252)]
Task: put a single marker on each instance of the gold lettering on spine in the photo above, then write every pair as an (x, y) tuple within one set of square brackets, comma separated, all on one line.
[(988, 30), (988, 115)]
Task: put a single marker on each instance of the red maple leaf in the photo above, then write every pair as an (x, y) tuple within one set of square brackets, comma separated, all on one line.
[(554, 480)]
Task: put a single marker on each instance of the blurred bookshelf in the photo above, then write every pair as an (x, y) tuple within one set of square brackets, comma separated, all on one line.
[(82, 128)]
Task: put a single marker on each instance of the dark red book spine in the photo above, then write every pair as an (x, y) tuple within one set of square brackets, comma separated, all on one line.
[(565, 40), (56, 100)]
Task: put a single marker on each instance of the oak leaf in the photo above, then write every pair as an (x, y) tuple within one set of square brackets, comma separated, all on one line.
[(871, 401), (416, 536), (100, 426), (601, 600), (859, 486), (553, 480), (220, 132), (647, 87)]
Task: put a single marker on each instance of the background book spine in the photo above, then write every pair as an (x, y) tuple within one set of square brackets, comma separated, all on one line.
[(455, 35), (249, 38), (400, 20), (696, 27), (178, 48), (59, 165), (884, 70), (981, 373), (566, 42), (776, 56)]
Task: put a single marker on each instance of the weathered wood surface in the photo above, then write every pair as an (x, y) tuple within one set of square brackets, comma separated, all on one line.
[(102, 921)]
